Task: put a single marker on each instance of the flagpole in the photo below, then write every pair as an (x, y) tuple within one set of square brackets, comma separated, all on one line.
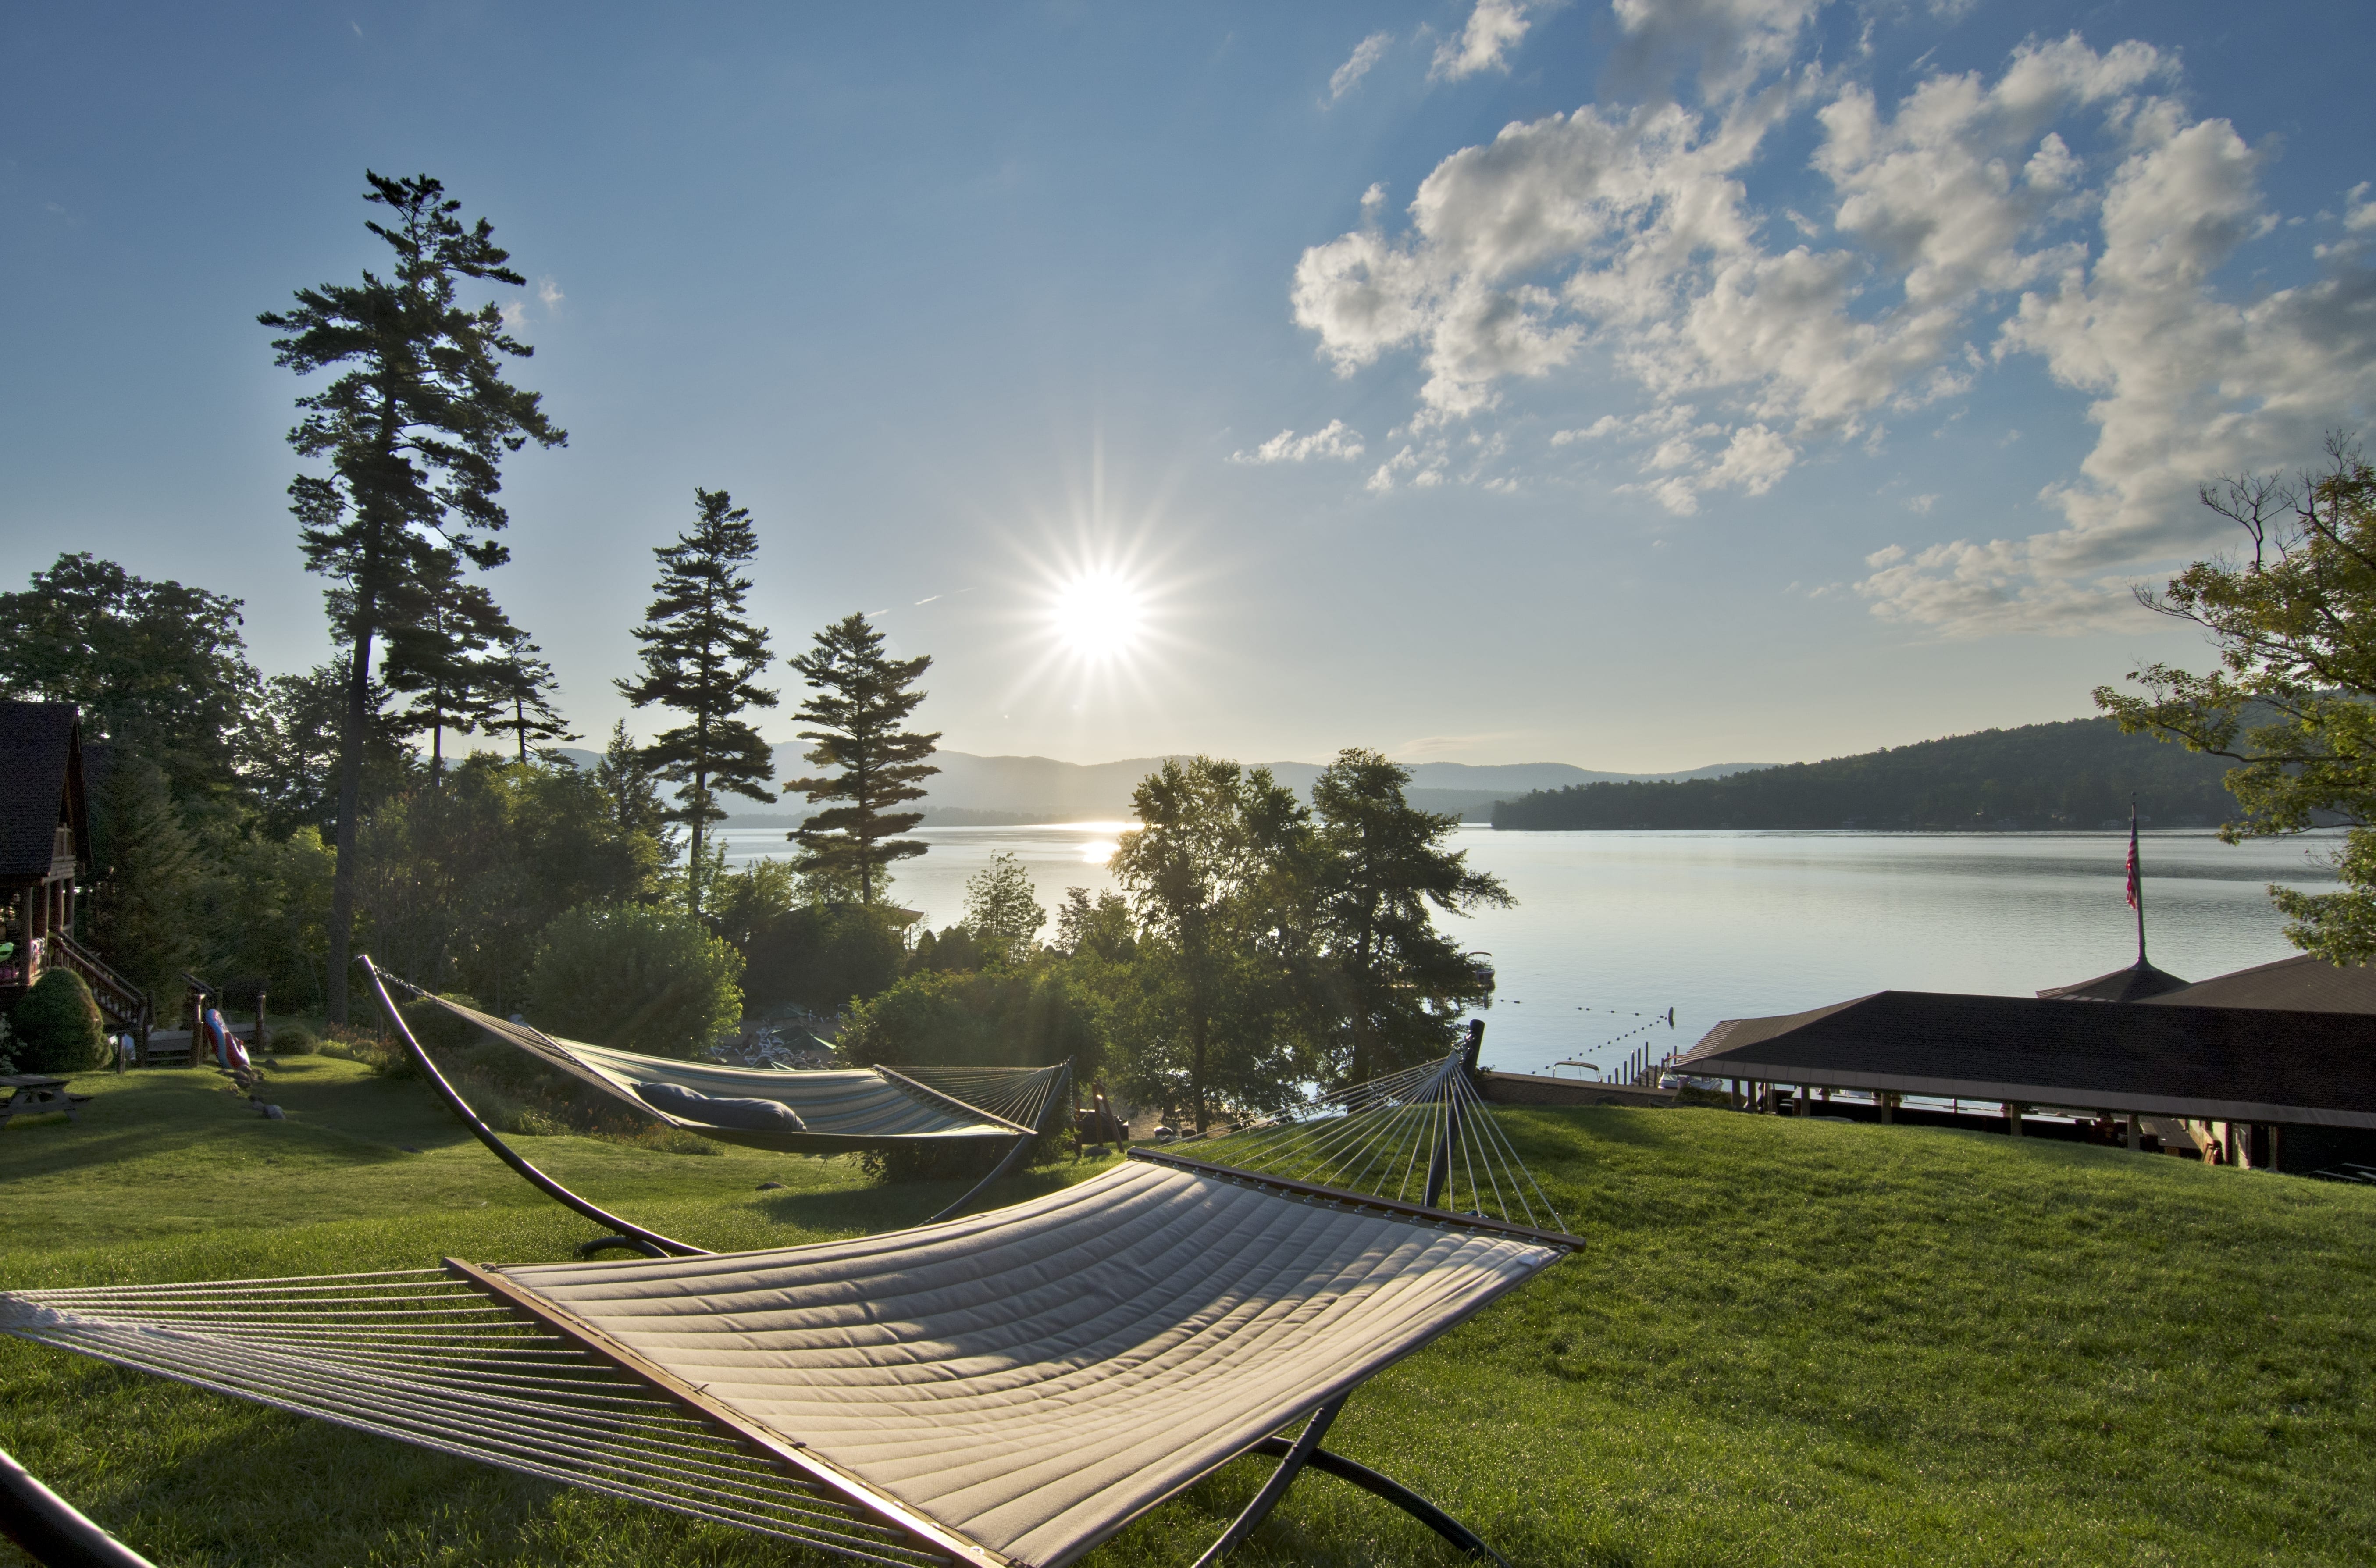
[(2136, 882)]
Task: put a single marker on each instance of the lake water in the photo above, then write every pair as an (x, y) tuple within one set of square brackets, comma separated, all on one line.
[(1612, 929)]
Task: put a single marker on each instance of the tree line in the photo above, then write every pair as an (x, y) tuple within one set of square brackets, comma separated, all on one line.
[(263, 829), (2079, 774), (1256, 945)]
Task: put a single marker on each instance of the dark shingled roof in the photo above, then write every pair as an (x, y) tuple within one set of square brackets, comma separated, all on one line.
[(37, 745), (2135, 983), (2304, 984), (2250, 1064)]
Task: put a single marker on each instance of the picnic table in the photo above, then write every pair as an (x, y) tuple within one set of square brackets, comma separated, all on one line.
[(31, 1094)]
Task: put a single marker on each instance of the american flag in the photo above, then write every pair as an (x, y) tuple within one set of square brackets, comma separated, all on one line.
[(2136, 889)]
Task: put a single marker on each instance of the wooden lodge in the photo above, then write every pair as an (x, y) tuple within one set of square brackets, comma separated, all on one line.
[(45, 860), (44, 835)]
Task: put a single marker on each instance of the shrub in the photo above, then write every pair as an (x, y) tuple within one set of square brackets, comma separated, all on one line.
[(988, 1019), (57, 1027), (294, 1041), (635, 978)]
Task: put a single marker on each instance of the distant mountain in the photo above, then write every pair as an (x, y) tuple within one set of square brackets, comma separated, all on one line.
[(972, 790), (1001, 792), (2079, 774)]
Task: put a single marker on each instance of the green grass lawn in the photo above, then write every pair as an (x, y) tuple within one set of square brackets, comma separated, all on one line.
[(1790, 1343)]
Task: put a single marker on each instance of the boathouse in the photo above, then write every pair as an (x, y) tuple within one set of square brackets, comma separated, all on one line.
[(2280, 1088), (2304, 983)]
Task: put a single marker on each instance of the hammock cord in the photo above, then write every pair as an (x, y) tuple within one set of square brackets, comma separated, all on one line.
[(1393, 1137), (414, 1355), (1010, 1093)]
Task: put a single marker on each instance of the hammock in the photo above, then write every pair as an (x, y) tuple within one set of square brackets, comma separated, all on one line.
[(856, 1109), (1004, 1390), (870, 1108)]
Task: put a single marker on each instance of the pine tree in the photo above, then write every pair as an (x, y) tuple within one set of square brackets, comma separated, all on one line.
[(446, 639), (146, 916), (858, 700), (700, 653), (631, 787), (293, 749), (415, 430), (516, 687)]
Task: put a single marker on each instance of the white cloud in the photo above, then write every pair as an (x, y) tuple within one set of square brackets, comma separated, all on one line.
[(1366, 53), (2358, 212), (1964, 589), (1334, 439), (550, 293), (1422, 465), (1494, 29), (2065, 208), (1732, 43), (1921, 504)]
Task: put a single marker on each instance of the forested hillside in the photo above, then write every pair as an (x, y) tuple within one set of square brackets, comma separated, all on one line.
[(2078, 774)]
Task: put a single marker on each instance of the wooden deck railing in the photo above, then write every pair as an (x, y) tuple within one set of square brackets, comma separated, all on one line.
[(126, 1005)]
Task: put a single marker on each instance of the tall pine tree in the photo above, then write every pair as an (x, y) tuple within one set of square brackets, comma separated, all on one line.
[(516, 690), (415, 429), (700, 653), (858, 701), (145, 917), (446, 640)]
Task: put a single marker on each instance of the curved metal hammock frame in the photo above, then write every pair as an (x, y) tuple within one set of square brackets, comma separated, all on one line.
[(1035, 1093), (496, 1366)]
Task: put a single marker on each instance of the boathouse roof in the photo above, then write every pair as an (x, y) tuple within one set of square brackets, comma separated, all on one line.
[(41, 785), (2221, 1063), (2135, 983), (2304, 983)]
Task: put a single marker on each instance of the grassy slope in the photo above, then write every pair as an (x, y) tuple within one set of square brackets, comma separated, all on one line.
[(1791, 1343)]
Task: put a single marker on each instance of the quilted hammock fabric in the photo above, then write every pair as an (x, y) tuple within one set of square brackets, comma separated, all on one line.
[(1036, 1377)]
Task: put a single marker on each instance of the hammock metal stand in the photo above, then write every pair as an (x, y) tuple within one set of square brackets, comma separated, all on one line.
[(624, 1234), (1002, 1391)]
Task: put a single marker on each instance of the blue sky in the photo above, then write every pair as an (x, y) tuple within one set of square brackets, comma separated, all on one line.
[(1731, 380)]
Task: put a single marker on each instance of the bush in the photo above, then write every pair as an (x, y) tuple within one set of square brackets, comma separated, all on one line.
[(987, 1018), (635, 978), (822, 956), (57, 1027), (294, 1041)]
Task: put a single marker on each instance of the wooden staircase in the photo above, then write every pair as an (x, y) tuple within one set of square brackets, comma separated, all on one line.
[(125, 1005)]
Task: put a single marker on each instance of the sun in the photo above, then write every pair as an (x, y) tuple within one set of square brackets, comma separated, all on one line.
[(1099, 615)]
